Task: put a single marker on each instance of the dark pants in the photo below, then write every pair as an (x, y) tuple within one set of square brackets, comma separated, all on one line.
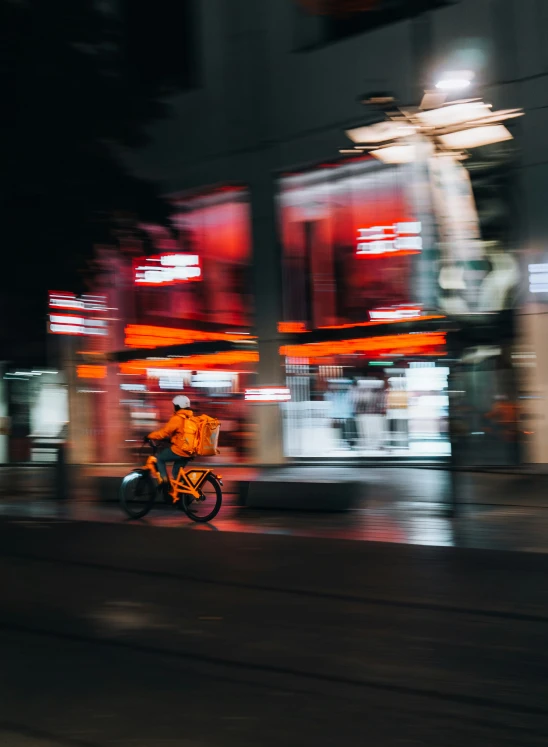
[(167, 455)]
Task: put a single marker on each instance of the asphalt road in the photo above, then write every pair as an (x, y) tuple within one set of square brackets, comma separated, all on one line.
[(145, 636)]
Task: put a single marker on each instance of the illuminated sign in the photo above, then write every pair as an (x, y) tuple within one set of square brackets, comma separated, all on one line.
[(538, 278), (414, 343), (169, 378), (396, 239), (70, 324), (395, 313), (91, 372), (292, 327), (198, 362), (213, 380), (268, 394), (150, 336), (66, 324), (65, 300), (167, 269)]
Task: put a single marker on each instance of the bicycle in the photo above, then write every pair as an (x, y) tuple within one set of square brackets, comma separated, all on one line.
[(198, 490)]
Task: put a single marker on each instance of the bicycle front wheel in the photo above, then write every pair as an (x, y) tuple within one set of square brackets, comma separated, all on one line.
[(137, 494), (207, 506)]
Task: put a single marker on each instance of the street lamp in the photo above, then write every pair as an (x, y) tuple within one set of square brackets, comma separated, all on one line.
[(438, 136), (455, 81), (451, 127)]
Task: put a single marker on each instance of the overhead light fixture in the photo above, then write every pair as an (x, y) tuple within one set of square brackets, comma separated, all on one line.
[(432, 100), (454, 114), (474, 137), (381, 132), (394, 154), (455, 81)]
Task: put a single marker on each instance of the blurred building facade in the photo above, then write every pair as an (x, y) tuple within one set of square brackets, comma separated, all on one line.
[(277, 220)]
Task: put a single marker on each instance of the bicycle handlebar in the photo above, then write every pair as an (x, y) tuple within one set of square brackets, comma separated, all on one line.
[(150, 442)]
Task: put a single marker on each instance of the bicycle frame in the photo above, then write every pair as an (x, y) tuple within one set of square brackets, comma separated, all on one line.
[(187, 482)]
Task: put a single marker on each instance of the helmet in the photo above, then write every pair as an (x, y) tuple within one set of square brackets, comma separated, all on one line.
[(182, 401)]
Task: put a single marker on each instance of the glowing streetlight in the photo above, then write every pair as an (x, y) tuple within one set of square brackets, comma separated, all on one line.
[(450, 127), (455, 81)]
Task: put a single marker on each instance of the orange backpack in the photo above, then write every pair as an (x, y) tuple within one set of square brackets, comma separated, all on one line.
[(201, 435)]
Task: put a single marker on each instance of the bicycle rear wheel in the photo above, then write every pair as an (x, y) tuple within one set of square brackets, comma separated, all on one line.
[(137, 494), (207, 506)]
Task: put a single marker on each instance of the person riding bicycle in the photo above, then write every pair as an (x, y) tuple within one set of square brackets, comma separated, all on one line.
[(174, 430)]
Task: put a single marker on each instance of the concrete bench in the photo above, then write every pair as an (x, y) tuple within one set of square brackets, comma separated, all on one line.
[(300, 495)]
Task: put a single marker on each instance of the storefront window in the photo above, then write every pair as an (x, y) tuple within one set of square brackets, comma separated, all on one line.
[(193, 289), (352, 244), (369, 409), (351, 240)]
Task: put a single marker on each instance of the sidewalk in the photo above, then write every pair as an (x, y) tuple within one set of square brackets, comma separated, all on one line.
[(523, 487), (385, 484), (397, 505)]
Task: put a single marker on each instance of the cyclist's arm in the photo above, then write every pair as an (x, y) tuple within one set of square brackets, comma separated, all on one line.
[(167, 431)]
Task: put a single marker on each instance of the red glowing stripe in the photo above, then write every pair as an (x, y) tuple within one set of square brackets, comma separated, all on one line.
[(292, 327), (383, 321), (150, 336), (383, 255), (199, 362), (420, 343), (91, 372)]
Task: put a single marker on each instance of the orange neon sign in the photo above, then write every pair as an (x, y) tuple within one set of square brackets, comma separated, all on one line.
[(200, 362), (420, 343), (91, 372), (299, 327), (292, 327), (150, 336)]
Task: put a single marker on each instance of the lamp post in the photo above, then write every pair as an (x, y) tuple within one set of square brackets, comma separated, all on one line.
[(442, 133)]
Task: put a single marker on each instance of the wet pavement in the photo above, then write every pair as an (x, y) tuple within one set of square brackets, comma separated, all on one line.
[(396, 506)]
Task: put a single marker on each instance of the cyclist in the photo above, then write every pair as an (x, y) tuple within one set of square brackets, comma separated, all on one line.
[(174, 430)]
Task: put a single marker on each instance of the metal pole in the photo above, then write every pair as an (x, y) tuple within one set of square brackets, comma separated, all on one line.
[(455, 427), (61, 478)]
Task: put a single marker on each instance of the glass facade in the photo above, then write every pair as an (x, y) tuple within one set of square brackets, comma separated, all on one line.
[(362, 332), (351, 242), (193, 289), (354, 249)]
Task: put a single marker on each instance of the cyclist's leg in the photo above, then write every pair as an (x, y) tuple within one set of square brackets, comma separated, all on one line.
[(178, 462), (164, 456)]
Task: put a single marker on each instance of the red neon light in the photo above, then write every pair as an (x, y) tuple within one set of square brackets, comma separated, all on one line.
[(91, 372), (405, 312), (149, 336), (68, 300), (353, 325), (167, 269), (292, 327), (67, 324), (420, 343), (199, 362), (64, 300), (397, 240)]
